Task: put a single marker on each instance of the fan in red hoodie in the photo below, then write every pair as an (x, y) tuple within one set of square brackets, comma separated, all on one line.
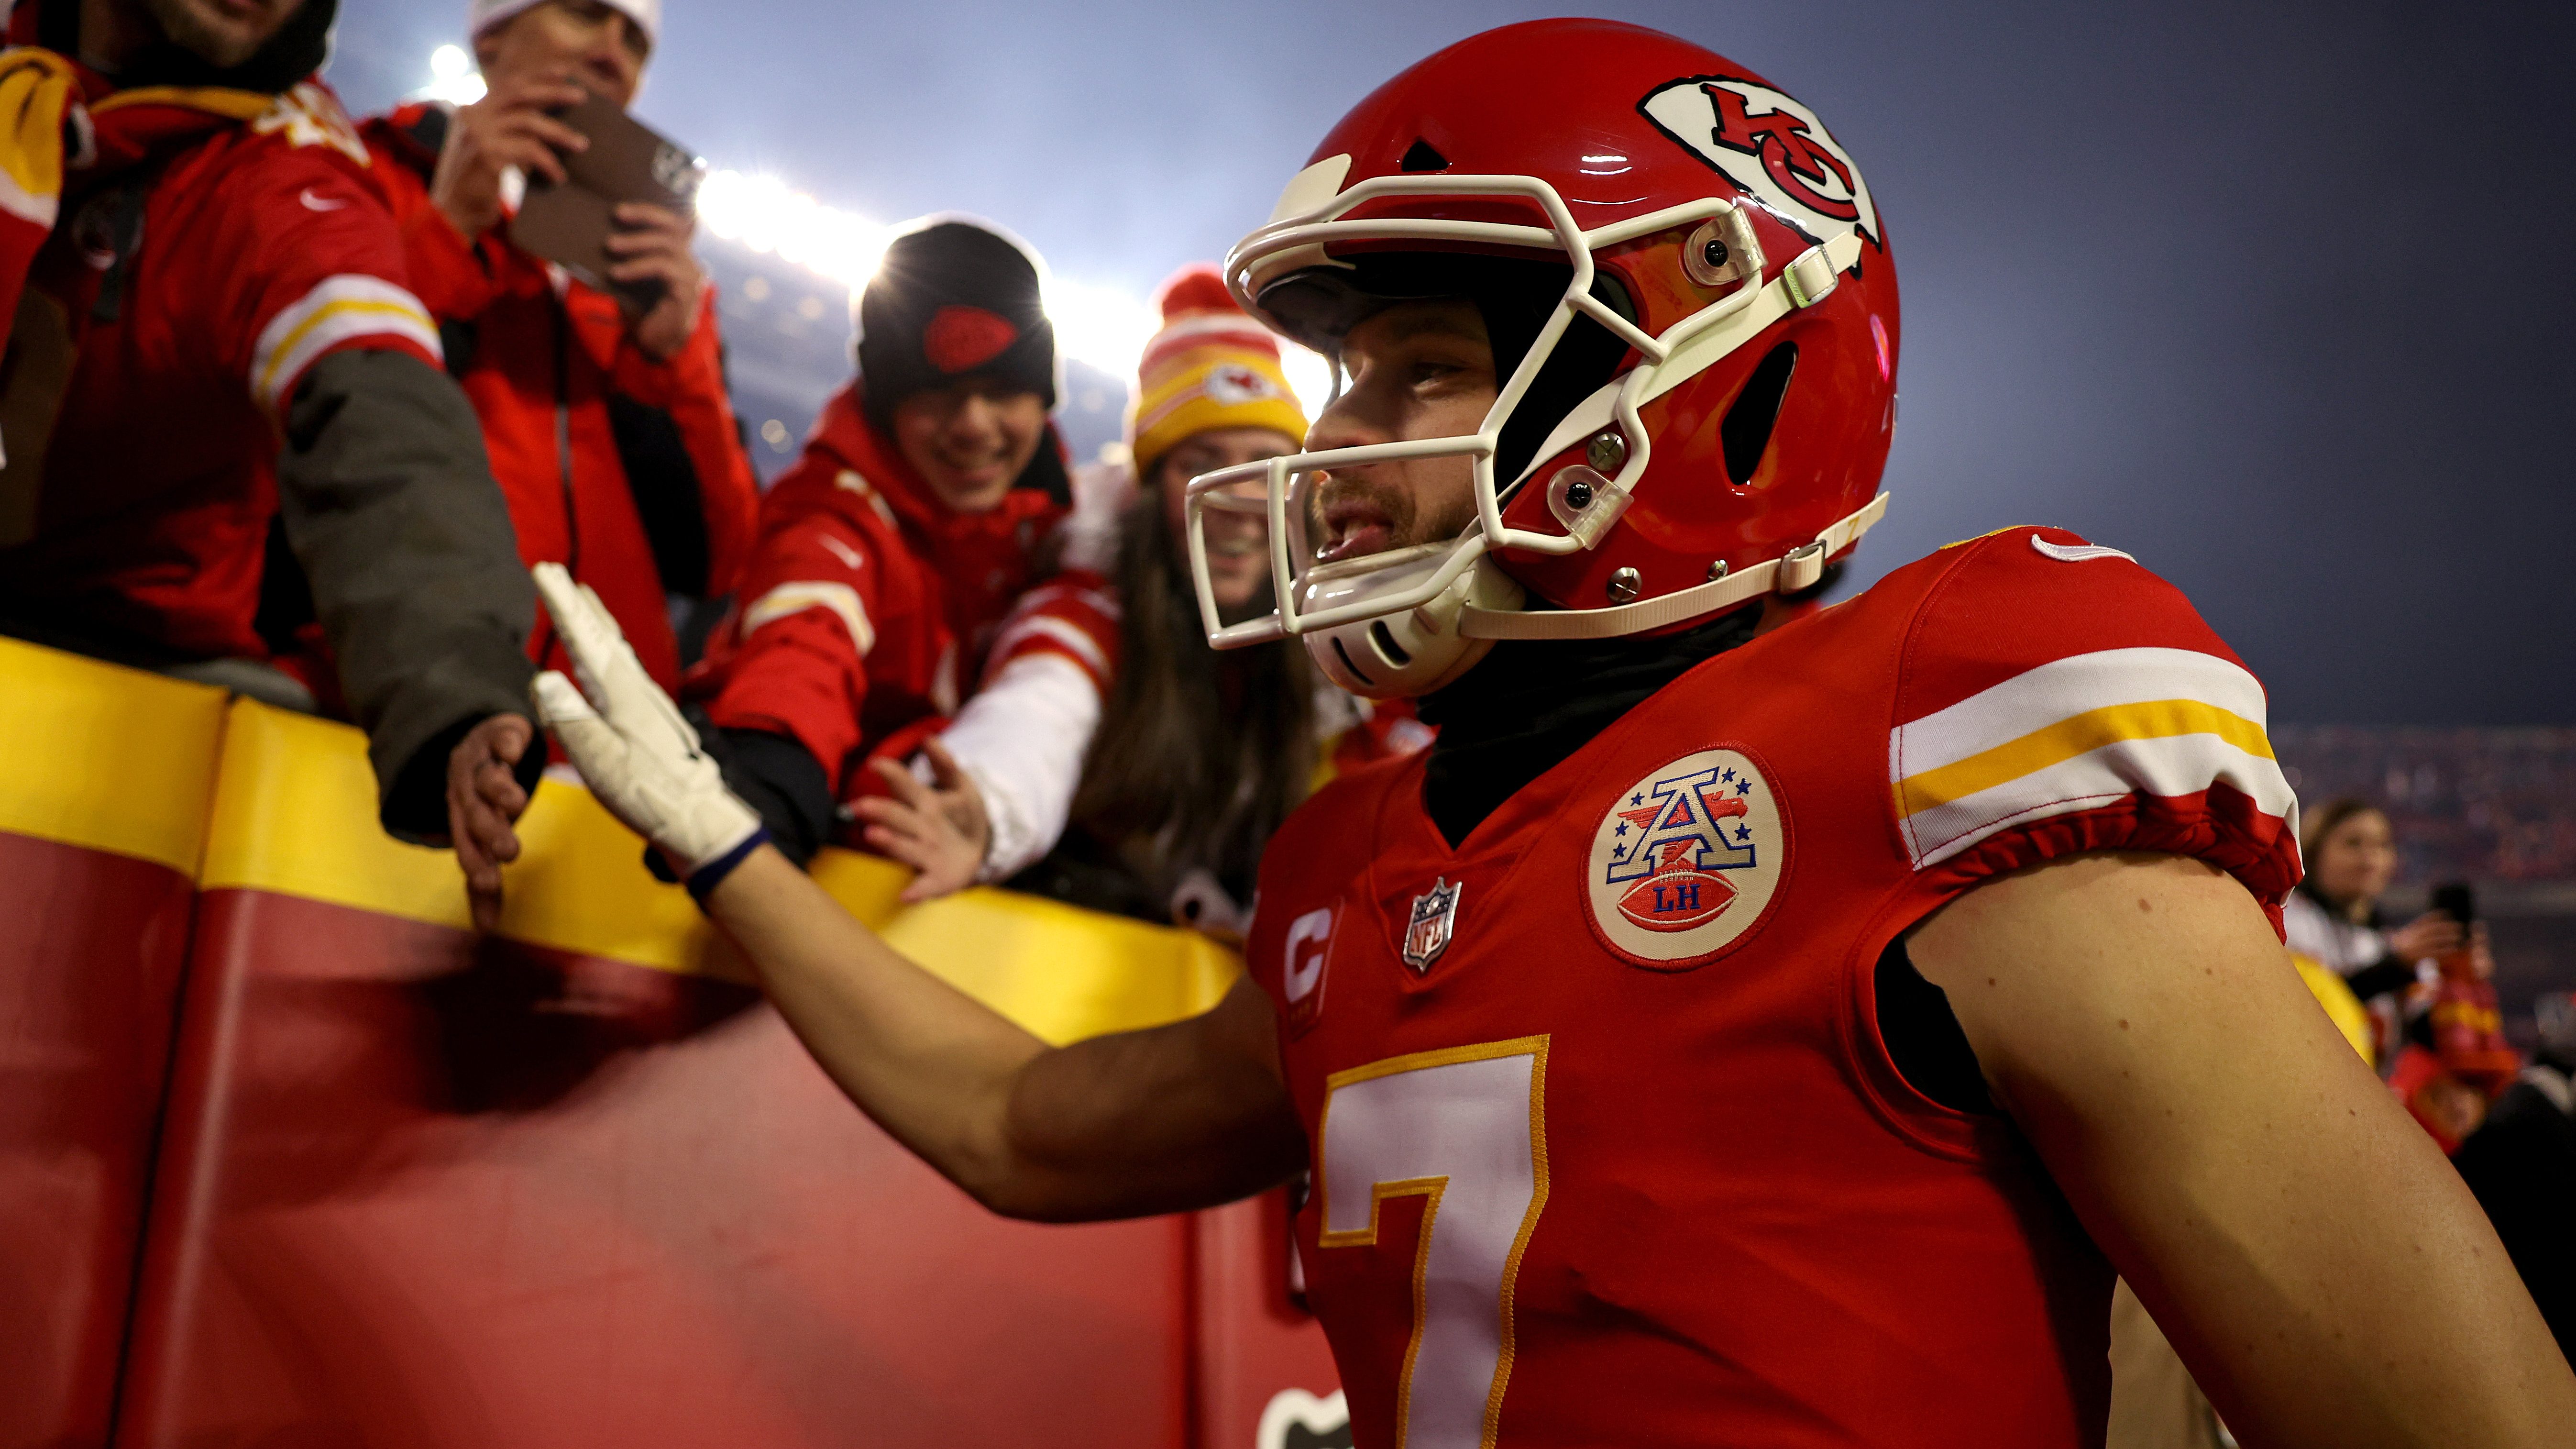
[(890, 553), (214, 337), (605, 416)]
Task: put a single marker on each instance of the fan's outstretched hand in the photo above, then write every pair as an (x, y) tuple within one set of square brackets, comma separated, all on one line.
[(939, 829)]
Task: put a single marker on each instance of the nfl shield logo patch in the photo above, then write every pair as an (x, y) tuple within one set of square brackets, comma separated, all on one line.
[(1435, 914)]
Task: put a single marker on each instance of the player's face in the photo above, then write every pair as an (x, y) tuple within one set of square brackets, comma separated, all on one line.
[(970, 440), (2356, 859), (585, 42), (1416, 370), (1237, 543), (223, 33)]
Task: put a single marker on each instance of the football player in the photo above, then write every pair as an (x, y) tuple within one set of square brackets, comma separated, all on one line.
[(1750, 1023)]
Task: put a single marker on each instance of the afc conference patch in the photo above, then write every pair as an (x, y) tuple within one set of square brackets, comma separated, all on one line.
[(1687, 860)]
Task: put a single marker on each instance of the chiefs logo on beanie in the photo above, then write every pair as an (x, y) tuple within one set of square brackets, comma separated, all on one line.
[(961, 339), (1210, 367), (953, 299)]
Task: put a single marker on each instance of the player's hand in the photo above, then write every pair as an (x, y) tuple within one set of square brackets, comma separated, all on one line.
[(508, 127), (2427, 937), (483, 799), (939, 829), (626, 737), (652, 245)]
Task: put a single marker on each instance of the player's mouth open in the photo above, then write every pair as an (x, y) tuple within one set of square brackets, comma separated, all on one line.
[(1354, 528)]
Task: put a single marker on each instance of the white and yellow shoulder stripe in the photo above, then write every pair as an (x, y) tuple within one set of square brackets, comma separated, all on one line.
[(796, 596), (2077, 734), (339, 309)]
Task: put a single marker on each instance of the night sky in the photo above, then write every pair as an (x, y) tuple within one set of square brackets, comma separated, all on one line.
[(2273, 296)]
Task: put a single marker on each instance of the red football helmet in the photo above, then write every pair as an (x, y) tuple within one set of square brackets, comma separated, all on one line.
[(1704, 405)]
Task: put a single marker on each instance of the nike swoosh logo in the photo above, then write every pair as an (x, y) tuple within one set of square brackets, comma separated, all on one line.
[(2066, 553), (848, 556), (313, 202)]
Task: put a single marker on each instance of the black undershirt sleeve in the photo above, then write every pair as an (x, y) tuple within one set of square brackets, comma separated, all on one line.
[(776, 777), (1923, 1036)]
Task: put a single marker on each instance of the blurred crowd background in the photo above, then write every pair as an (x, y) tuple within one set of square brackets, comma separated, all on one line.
[(2492, 806)]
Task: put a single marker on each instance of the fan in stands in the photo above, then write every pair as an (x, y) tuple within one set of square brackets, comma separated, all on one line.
[(889, 556)]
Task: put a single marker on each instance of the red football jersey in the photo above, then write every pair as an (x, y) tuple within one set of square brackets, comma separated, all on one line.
[(1607, 1148), (254, 254)]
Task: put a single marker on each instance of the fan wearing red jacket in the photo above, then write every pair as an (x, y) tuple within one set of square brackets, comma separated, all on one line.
[(890, 554), (1195, 757), (214, 333), (605, 415), (1749, 1023)]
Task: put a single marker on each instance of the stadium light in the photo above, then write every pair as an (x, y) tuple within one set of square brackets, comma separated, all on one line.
[(1103, 327), (761, 214), (452, 77)]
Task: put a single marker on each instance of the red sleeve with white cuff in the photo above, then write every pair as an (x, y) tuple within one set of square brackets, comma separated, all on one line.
[(1023, 736)]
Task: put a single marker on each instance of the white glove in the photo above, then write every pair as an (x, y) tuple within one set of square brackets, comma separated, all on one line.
[(626, 737)]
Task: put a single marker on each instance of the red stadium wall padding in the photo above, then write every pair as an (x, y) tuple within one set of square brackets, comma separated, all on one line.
[(436, 1193), (103, 804), (88, 970), (566, 1185), (289, 1157), (1262, 1363)]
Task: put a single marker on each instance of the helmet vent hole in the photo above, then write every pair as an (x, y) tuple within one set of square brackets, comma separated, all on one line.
[(1345, 656), (1386, 644), (1746, 433), (1422, 156)]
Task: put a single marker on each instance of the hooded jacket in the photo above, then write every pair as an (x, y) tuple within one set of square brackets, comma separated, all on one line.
[(219, 334), (629, 472), (869, 608)]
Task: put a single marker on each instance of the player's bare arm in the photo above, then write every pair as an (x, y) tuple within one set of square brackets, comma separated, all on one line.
[(1180, 1116), (2303, 1243)]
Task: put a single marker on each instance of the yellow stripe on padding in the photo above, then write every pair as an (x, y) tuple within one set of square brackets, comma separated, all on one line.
[(106, 758), (2073, 736), (295, 815)]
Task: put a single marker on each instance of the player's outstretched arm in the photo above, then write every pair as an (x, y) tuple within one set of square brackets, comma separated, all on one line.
[(1179, 1116), (2317, 1263)]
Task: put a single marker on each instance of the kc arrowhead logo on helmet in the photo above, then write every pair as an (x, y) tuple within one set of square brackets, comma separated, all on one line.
[(1716, 355), (1771, 147)]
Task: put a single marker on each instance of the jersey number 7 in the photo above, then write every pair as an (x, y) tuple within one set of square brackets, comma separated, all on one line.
[(1464, 1128)]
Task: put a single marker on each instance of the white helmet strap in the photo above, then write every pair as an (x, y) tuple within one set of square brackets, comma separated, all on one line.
[(1800, 568)]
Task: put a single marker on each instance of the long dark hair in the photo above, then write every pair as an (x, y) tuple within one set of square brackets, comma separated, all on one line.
[(1200, 755)]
